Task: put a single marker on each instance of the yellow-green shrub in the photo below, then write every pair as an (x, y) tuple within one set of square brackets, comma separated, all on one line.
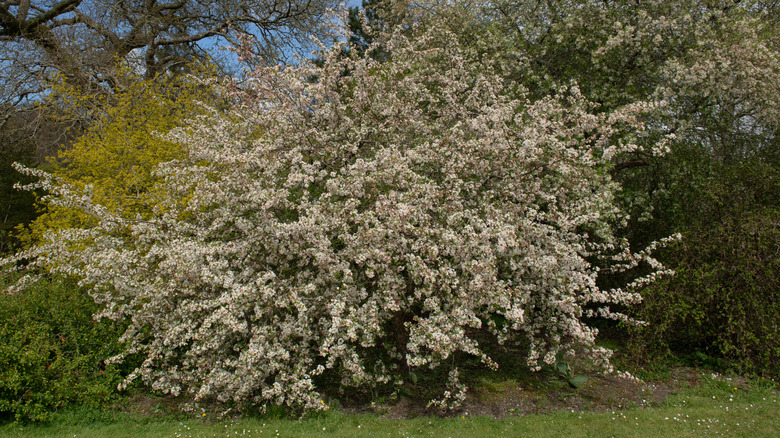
[(117, 155)]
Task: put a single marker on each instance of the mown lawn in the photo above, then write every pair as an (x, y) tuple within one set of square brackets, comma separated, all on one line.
[(716, 407)]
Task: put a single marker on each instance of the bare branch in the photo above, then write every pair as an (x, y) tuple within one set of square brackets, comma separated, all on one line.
[(62, 7), (82, 41)]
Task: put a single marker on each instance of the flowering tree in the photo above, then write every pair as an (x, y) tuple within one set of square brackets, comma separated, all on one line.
[(380, 219)]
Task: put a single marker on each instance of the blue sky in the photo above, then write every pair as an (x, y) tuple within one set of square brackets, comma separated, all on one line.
[(217, 45)]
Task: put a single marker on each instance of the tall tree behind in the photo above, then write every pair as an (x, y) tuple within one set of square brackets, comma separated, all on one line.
[(81, 43), (81, 40)]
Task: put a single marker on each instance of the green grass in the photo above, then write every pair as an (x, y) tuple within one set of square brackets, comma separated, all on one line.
[(717, 407)]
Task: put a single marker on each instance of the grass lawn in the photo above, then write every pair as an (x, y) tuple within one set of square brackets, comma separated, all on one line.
[(716, 406)]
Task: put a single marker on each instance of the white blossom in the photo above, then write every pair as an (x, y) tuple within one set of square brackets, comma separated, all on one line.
[(361, 224)]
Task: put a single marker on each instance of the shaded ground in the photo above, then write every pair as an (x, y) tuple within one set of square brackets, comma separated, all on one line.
[(493, 396), (546, 393)]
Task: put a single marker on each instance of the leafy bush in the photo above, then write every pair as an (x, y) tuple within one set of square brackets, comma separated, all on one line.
[(52, 351), (725, 298), (383, 222), (724, 301), (115, 158)]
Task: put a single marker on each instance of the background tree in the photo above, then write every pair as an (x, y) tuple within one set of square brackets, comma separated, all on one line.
[(368, 21), (714, 69), (16, 207), (81, 40)]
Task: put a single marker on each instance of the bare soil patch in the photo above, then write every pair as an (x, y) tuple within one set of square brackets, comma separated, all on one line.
[(546, 393)]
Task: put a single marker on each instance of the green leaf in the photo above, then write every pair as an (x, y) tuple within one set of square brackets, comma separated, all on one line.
[(578, 381)]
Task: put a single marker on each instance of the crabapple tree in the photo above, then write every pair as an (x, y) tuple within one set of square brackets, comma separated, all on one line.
[(384, 218)]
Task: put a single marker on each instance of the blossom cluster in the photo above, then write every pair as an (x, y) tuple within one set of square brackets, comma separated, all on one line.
[(360, 224)]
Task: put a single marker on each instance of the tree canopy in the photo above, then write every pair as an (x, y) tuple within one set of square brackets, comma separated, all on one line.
[(380, 218), (82, 40)]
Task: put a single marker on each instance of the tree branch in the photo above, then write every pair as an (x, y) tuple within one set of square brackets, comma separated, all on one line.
[(619, 167), (62, 7)]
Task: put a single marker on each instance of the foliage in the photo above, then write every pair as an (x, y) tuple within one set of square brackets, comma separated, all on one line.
[(714, 68), (565, 371), (116, 157), (16, 207), (381, 220), (363, 23), (52, 351), (367, 23), (719, 187), (724, 298)]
